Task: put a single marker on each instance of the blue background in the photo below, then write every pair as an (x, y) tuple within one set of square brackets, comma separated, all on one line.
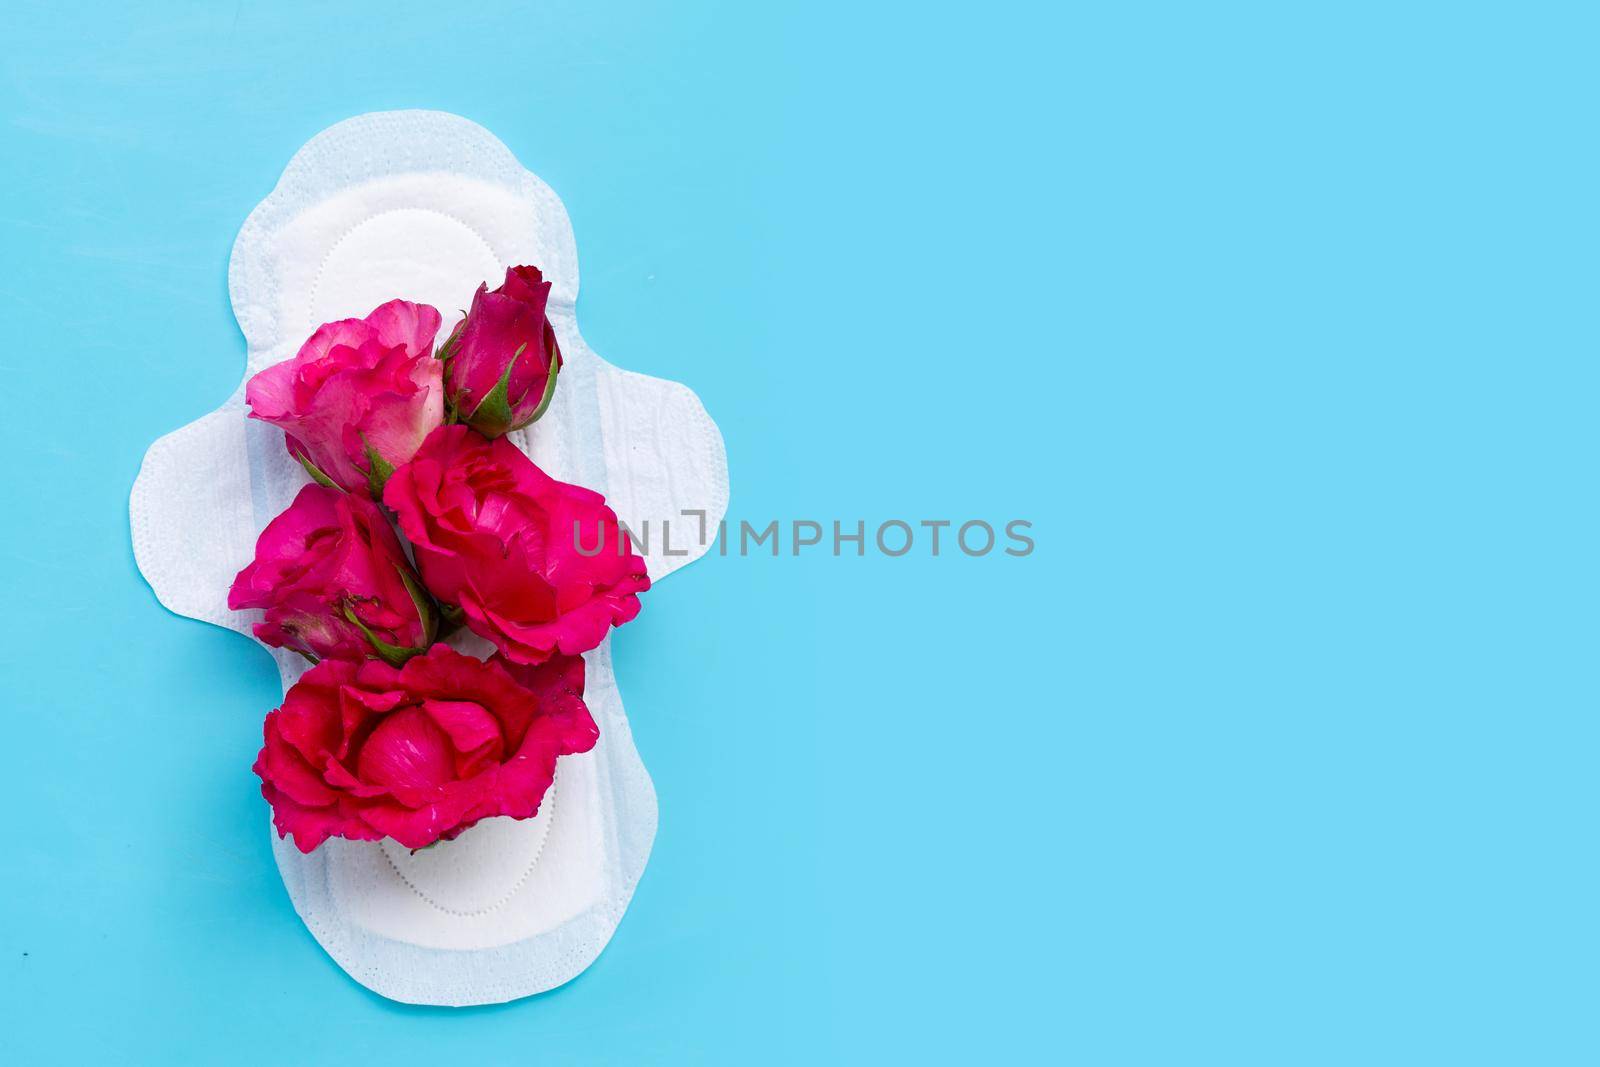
[(1278, 326)]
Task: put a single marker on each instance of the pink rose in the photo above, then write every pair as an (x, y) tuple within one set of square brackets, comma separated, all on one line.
[(335, 582), (498, 537), (359, 396), (503, 357), (421, 752)]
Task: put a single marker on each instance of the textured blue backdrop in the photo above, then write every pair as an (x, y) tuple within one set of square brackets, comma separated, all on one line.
[(1278, 326)]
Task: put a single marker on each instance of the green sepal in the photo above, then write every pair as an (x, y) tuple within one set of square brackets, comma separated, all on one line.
[(544, 400), (424, 605), (317, 475), (444, 354), (492, 416), (378, 469), (393, 655), (451, 343)]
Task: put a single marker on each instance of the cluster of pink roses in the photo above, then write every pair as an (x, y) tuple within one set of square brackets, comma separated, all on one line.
[(392, 734)]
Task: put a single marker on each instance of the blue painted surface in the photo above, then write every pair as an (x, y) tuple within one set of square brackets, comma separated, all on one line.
[(1277, 325)]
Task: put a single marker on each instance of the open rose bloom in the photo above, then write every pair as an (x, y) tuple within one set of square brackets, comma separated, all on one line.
[(421, 752), (359, 396), (535, 565), (334, 582)]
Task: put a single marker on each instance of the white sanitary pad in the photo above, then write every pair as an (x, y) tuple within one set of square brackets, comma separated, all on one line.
[(425, 205)]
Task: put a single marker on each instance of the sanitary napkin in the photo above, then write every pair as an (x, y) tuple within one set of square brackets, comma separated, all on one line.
[(425, 205)]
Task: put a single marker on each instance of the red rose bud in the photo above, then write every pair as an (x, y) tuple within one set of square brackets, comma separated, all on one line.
[(502, 359), (359, 396), (335, 583), (509, 545), (421, 752)]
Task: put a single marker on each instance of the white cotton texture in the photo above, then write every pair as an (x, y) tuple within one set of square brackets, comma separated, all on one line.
[(424, 206)]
